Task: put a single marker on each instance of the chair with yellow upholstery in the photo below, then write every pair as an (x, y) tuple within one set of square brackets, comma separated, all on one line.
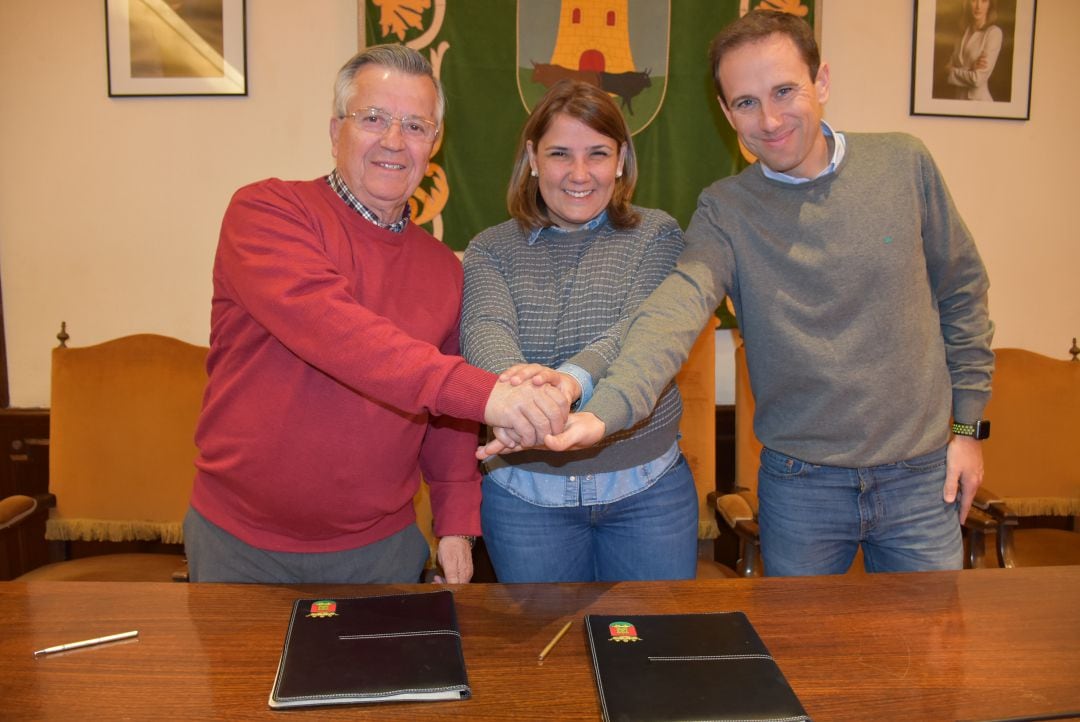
[(1031, 484), (121, 457), (736, 512), (697, 386), (22, 531)]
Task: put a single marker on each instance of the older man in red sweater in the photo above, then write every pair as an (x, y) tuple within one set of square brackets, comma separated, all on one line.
[(335, 380)]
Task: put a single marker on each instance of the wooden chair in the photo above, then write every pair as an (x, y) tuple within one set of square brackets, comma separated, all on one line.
[(736, 513), (121, 456), (22, 534), (1031, 484)]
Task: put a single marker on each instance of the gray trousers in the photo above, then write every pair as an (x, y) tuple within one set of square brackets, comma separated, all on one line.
[(214, 555)]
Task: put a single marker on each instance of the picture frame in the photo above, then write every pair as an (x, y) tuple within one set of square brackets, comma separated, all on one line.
[(973, 58), (195, 47)]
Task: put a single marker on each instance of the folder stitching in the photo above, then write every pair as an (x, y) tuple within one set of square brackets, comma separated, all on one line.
[(384, 635), (385, 693), (711, 658)]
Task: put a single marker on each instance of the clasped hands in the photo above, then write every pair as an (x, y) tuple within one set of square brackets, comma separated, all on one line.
[(530, 407)]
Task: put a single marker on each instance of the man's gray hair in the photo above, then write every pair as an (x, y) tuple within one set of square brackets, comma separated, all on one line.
[(397, 57)]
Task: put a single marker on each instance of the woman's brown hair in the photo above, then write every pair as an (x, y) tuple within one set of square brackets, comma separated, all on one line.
[(595, 108)]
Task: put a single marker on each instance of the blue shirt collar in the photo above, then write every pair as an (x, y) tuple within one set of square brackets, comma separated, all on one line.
[(839, 148), (592, 225)]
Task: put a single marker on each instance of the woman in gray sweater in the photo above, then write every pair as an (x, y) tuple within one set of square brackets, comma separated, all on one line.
[(551, 292)]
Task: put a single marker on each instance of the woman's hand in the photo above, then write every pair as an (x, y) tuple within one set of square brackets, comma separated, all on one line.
[(540, 375), (582, 430)]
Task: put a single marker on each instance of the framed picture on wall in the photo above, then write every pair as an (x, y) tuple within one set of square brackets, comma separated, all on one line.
[(973, 58), (179, 47)]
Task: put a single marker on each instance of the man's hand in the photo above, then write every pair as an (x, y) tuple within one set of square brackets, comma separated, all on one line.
[(505, 442), (583, 429), (455, 557), (530, 411), (540, 375), (963, 472)]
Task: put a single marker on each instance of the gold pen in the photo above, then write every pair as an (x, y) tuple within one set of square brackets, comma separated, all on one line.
[(555, 640), (87, 643)]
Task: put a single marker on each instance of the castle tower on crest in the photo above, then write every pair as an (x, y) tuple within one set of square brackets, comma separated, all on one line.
[(594, 35)]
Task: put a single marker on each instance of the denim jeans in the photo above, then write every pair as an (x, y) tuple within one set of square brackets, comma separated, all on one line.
[(814, 518), (646, 536)]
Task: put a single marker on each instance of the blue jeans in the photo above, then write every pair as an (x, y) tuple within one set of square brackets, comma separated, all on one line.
[(646, 536), (814, 518)]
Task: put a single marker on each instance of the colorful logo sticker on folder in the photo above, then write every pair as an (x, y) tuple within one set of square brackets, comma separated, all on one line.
[(623, 632), (323, 608)]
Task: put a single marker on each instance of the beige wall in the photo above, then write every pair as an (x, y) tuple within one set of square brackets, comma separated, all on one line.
[(1014, 181), (109, 208)]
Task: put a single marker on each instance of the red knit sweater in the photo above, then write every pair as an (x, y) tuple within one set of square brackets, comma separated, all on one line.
[(334, 377)]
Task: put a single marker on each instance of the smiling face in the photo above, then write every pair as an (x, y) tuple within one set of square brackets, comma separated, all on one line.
[(774, 105), (383, 170), (577, 168)]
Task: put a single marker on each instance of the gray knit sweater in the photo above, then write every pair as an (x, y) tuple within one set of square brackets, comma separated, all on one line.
[(568, 297), (861, 298)]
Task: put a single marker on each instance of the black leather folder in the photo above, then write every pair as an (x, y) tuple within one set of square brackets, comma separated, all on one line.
[(687, 667), (371, 649)]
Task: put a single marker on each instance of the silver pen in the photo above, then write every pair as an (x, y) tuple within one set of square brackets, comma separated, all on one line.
[(87, 643)]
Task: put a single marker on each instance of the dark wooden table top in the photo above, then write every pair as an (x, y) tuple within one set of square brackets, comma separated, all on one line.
[(971, 645)]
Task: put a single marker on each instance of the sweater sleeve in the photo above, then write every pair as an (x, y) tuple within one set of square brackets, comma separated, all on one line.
[(960, 285), (489, 323), (273, 259), (449, 466), (662, 249), (663, 329)]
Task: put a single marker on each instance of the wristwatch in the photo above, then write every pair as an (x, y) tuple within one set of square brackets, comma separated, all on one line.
[(979, 430)]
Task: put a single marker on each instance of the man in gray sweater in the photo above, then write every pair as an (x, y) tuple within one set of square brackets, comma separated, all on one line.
[(863, 304)]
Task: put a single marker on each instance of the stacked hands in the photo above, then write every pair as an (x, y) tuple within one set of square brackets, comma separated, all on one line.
[(530, 407)]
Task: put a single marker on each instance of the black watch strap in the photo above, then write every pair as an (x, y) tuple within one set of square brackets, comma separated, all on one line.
[(979, 430)]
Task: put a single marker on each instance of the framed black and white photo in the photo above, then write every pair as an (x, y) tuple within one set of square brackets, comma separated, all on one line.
[(973, 58), (176, 47)]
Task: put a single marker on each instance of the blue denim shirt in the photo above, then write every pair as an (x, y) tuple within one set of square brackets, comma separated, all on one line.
[(583, 490)]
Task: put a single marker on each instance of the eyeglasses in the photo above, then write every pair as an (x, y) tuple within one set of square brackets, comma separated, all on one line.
[(378, 121)]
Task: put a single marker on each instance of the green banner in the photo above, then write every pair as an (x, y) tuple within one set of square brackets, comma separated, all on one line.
[(473, 46)]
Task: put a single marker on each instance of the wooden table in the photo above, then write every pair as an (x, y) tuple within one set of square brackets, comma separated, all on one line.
[(970, 645)]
